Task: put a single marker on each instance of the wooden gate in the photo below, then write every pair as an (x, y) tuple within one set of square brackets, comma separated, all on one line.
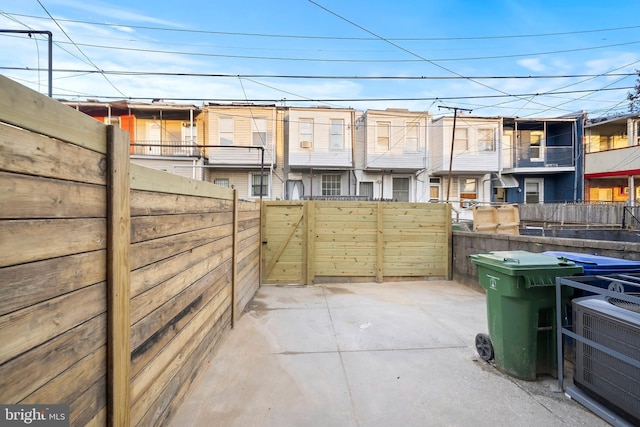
[(284, 238), (307, 241)]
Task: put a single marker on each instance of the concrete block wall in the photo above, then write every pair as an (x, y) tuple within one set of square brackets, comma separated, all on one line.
[(465, 243)]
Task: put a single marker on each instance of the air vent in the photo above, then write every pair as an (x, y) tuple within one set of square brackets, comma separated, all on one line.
[(305, 144)]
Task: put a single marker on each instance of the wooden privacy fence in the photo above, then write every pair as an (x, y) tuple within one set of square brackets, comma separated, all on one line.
[(116, 281), (572, 213), (310, 241)]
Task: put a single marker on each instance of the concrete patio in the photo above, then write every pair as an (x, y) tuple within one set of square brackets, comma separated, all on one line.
[(367, 354)]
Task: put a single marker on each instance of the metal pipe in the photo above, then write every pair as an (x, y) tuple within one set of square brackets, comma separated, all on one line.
[(50, 44)]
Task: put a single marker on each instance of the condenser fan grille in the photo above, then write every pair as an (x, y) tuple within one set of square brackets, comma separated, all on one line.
[(627, 305)]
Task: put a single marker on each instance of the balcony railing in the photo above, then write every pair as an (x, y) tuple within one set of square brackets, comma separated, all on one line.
[(166, 148), (544, 157)]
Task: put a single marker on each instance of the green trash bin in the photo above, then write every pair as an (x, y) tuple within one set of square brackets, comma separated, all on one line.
[(521, 301)]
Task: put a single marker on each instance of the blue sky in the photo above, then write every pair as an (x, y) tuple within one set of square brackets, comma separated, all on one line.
[(547, 58)]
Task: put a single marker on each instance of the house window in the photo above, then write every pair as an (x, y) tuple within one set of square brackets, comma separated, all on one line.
[(468, 191), (412, 137), (434, 189), (337, 135), (531, 143), (259, 132), (331, 185), (383, 130), (306, 133), (533, 190), (486, 139), (255, 185), (461, 140), (366, 189), (401, 189), (222, 182), (225, 130)]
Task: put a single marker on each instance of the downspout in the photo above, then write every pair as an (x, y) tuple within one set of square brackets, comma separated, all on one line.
[(353, 153)]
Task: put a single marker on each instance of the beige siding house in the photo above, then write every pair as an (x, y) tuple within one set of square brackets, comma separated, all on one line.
[(240, 143)]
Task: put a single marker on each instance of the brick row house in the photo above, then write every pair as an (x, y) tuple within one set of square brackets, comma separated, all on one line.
[(294, 153)]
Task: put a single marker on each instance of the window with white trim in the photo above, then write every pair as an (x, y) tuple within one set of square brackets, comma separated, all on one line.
[(383, 135), (366, 189), (259, 132), (306, 133), (331, 185), (255, 185), (225, 130), (401, 189), (533, 190), (461, 140), (468, 192), (486, 139), (412, 137), (336, 141)]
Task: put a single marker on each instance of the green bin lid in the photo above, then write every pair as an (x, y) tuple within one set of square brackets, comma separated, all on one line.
[(534, 269), (521, 261)]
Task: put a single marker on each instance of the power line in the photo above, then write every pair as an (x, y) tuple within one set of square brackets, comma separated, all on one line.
[(77, 47), (294, 36), (352, 60), (436, 98), (430, 61), (319, 77)]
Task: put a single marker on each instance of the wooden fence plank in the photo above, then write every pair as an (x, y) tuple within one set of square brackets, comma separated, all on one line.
[(234, 263), (154, 274), (21, 241), (45, 362), (22, 330), (19, 106), (119, 279), (148, 203), (153, 227), (162, 182), (26, 153), (24, 285), (29, 197)]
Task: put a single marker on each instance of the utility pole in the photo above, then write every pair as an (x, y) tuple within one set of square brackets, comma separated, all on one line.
[(50, 35), (453, 138)]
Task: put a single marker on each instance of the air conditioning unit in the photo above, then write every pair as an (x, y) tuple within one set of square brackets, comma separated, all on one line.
[(305, 144), (615, 324)]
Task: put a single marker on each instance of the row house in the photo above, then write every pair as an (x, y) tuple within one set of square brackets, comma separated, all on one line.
[(292, 153), (543, 157), (243, 146), (612, 159), (319, 144), (505, 160), (162, 135), (391, 155), (461, 165)]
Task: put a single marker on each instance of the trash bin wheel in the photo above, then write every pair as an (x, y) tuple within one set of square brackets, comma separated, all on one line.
[(484, 347)]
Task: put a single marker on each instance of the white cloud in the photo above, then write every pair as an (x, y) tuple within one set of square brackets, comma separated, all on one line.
[(532, 64)]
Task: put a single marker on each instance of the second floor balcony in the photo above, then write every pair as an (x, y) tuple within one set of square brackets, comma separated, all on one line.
[(165, 148), (539, 157)]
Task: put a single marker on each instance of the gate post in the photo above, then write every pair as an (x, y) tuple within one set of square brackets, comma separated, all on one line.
[(380, 244), (310, 241)]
